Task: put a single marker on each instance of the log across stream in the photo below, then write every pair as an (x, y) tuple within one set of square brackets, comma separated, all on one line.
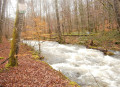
[(88, 67)]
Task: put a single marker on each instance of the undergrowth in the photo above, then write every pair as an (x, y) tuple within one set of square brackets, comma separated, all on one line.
[(104, 39)]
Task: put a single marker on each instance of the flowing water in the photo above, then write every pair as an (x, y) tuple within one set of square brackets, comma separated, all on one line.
[(87, 67)]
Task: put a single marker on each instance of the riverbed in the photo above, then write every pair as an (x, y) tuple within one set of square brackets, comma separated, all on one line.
[(85, 66)]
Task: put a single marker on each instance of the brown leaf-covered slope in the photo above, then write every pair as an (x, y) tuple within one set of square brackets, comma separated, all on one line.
[(29, 73)]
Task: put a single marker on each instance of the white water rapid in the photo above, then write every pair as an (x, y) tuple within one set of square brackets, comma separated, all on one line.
[(87, 67)]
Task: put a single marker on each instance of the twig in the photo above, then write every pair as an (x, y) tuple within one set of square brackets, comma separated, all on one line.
[(4, 61), (94, 79)]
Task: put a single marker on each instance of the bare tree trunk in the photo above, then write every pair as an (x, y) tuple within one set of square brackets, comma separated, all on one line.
[(0, 8), (117, 11), (16, 38), (58, 22), (2, 19), (76, 17), (81, 11), (88, 16)]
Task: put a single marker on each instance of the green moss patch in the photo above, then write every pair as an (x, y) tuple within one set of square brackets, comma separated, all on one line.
[(1, 57), (35, 56), (4, 70), (93, 47), (62, 76), (73, 84), (110, 53)]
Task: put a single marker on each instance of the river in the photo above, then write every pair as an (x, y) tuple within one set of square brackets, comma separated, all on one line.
[(87, 67)]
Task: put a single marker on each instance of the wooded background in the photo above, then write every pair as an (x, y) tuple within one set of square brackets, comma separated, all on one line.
[(45, 18)]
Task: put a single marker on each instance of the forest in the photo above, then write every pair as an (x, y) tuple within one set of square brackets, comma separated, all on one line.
[(59, 43)]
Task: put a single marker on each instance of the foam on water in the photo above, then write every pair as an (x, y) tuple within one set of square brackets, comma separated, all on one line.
[(87, 67)]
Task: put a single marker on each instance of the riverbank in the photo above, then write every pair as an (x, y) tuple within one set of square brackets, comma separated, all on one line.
[(82, 65), (30, 72), (103, 41)]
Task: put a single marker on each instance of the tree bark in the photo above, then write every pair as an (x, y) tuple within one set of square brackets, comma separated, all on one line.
[(16, 39), (58, 22), (88, 16), (2, 18), (117, 11)]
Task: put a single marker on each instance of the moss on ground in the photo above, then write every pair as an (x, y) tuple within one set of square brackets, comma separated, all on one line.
[(109, 40), (35, 54), (1, 70), (110, 53), (4, 69), (36, 57), (106, 53), (93, 47), (73, 84), (1, 57)]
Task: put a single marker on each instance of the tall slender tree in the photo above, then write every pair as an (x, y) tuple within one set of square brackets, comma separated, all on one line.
[(58, 22), (16, 36), (76, 16), (117, 11), (2, 17)]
